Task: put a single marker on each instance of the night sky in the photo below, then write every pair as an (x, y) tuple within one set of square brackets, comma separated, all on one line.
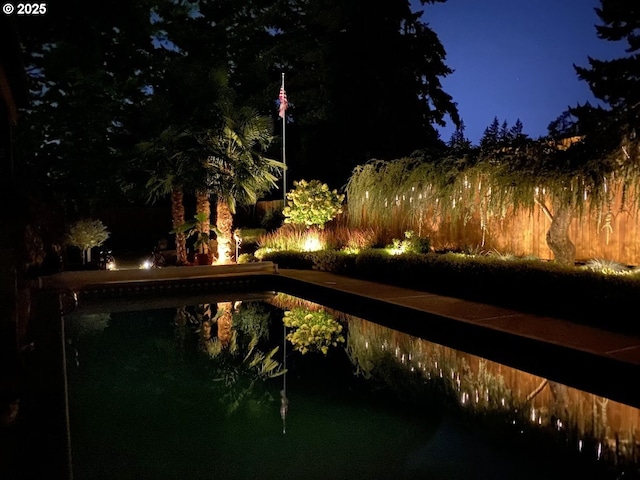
[(514, 59)]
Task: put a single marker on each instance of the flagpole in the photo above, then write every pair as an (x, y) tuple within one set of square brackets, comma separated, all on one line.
[(284, 157)]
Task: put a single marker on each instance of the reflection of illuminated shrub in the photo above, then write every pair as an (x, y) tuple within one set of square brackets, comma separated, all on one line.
[(312, 331)]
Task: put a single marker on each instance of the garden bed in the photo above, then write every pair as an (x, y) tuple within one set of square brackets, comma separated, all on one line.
[(600, 299)]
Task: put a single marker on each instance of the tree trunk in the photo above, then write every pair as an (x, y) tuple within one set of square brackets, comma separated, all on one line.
[(205, 329), (224, 224), (177, 219), (564, 251), (203, 206), (225, 321)]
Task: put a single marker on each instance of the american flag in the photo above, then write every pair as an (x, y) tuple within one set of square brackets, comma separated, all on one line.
[(283, 102)]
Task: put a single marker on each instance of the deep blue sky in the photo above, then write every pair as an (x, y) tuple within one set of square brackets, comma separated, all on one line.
[(514, 58)]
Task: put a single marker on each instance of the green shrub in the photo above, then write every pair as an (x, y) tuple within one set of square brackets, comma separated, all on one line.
[(272, 220), (287, 259), (416, 244), (312, 204), (249, 235), (247, 258), (332, 261), (412, 243)]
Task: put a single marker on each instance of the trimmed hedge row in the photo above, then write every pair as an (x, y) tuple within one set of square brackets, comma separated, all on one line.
[(606, 301)]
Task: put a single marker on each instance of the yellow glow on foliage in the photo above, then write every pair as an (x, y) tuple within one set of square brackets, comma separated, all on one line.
[(396, 250), (312, 242)]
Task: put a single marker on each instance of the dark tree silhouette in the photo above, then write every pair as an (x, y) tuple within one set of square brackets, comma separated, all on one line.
[(365, 83), (491, 135), (616, 81), (86, 75), (504, 136), (516, 133), (458, 140)]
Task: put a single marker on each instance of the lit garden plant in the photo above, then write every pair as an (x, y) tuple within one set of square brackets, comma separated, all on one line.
[(312, 331), (86, 234), (312, 204), (291, 238), (411, 243)]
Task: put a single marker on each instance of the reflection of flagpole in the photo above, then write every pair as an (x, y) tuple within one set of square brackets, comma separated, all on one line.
[(284, 353), (284, 401), (283, 107)]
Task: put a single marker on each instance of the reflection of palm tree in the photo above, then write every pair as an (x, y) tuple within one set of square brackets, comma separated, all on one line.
[(181, 320), (206, 322), (225, 323), (239, 373)]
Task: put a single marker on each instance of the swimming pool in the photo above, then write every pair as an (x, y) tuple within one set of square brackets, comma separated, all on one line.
[(194, 387)]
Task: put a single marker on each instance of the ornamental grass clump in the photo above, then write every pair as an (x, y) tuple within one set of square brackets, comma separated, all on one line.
[(291, 238), (607, 267), (312, 204), (312, 331), (352, 240)]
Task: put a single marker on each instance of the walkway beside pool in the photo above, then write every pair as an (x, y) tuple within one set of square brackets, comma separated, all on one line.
[(588, 358), (584, 357)]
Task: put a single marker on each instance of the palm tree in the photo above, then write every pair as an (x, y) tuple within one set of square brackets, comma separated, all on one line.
[(238, 170), (203, 213), (171, 171)]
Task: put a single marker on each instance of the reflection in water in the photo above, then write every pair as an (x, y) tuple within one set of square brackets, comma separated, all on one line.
[(208, 368), (312, 330), (595, 426), (237, 361), (284, 408)]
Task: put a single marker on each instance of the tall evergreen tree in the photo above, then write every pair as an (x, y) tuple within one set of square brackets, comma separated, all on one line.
[(491, 135), (363, 82), (366, 83), (458, 140), (605, 133), (504, 135), (517, 132), (616, 81)]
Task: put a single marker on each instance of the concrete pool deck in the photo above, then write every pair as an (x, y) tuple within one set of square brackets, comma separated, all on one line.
[(595, 360), (576, 354)]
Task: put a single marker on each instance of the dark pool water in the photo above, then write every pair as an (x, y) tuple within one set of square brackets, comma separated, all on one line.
[(151, 396)]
